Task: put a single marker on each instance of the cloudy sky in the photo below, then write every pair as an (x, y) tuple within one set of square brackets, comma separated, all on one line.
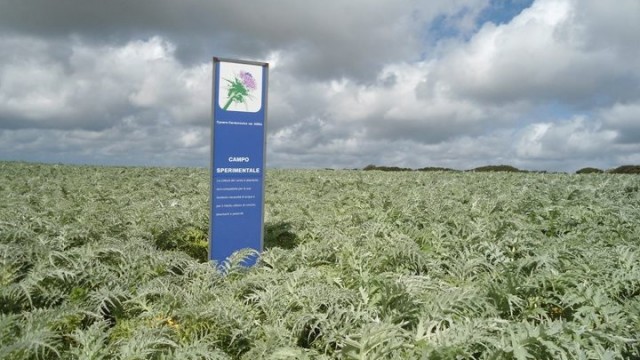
[(542, 84)]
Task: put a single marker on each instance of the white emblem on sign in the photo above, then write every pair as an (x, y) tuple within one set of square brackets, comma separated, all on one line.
[(240, 87)]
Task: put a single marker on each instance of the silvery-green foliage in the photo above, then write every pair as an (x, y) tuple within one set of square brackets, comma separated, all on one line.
[(90, 343), (145, 343), (96, 263), (30, 335)]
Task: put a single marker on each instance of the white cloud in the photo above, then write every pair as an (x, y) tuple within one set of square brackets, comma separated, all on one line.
[(541, 55), (575, 138), (94, 87), (625, 120), (351, 83)]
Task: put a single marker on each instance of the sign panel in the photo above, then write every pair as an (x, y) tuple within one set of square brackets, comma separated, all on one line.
[(237, 157)]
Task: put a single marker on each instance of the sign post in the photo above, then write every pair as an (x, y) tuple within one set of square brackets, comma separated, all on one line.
[(239, 108)]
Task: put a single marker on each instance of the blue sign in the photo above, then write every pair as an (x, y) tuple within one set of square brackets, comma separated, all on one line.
[(238, 157)]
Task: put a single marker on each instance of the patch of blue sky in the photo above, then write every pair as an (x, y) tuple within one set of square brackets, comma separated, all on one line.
[(502, 11), (443, 27), (497, 12)]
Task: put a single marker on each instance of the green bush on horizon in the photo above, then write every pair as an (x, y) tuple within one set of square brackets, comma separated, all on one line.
[(625, 169), (589, 170)]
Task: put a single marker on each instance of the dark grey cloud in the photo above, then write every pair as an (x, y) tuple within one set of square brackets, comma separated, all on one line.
[(128, 143), (624, 119), (607, 27), (332, 38), (428, 130)]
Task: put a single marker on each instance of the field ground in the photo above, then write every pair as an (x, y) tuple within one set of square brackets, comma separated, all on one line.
[(109, 263)]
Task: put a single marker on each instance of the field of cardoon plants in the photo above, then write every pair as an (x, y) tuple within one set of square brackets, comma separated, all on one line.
[(110, 263)]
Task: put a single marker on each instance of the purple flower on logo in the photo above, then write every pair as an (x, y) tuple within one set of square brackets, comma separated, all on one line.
[(248, 80), (239, 88)]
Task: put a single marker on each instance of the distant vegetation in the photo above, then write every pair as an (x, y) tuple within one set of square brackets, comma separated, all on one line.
[(589, 170), (385, 168), (505, 168), (432, 168), (624, 169)]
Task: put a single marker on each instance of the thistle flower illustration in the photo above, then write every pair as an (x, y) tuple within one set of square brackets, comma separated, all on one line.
[(239, 88)]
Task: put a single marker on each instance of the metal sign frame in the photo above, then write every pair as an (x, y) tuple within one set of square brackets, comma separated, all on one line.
[(237, 157)]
